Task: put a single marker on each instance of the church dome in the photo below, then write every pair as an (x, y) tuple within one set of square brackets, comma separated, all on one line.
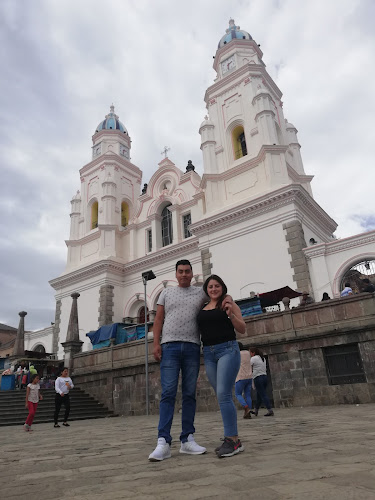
[(233, 33), (111, 122)]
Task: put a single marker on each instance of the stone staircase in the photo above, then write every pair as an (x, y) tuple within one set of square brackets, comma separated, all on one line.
[(82, 407)]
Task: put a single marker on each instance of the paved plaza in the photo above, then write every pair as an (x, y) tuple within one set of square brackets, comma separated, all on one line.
[(301, 453)]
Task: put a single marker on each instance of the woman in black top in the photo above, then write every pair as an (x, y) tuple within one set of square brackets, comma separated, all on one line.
[(222, 356)]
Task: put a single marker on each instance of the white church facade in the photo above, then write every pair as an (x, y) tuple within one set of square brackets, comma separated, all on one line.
[(251, 217)]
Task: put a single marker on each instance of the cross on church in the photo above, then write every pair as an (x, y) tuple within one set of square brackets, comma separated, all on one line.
[(165, 151)]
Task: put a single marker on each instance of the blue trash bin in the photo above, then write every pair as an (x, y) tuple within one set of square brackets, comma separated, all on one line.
[(7, 383)]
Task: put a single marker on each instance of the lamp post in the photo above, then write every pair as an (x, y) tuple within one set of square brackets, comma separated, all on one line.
[(147, 276)]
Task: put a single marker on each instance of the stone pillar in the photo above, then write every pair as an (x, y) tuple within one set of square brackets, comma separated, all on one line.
[(72, 345), (206, 263), (56, 328), (19, 345), (106, 305), (295, 237)]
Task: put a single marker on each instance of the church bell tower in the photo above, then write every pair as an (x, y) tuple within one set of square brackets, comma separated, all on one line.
[(248, 147)]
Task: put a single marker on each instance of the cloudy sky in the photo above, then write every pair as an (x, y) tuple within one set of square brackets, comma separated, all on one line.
[(64, 63)]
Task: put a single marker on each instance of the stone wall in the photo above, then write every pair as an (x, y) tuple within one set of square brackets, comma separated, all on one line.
[(292, 340), (116, 376)]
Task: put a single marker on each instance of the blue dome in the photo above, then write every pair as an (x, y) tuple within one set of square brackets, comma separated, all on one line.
[(111, 122), (233, 33)]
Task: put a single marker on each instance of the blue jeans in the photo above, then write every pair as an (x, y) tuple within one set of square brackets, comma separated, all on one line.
[(176, 356), (244, 386), (260, 383), (222, 362)]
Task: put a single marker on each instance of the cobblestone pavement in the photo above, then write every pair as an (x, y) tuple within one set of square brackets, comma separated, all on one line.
[(301, 453)]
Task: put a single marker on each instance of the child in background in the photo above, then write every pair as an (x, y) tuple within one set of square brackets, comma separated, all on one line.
[(32, 399)]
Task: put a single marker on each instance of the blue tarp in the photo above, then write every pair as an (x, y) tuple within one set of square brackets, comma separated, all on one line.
[(105, 332), (119, 331), (250, 307)]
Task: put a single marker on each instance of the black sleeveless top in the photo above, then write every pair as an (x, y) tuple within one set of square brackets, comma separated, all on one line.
[(215, 327)]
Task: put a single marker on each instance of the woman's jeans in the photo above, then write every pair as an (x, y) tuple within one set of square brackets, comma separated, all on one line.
[(176, 356), (260, 383), (222, 362), (244, 386)]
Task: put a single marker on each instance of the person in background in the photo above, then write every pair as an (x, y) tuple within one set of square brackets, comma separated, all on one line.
[(24, 376), (244, 381), (222, 356), (326, 296), (32, 399), (347, 290), (368, 286), (259, 366), (63, 384), (306, 299)]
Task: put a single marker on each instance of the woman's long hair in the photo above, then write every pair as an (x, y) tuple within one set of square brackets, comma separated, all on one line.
[(223, 285), (257, 352)]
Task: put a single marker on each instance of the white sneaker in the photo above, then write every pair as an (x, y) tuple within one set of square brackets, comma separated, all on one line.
[(162, 451), (191, 447)]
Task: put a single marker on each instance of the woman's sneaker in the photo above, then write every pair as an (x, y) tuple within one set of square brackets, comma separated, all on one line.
[(26, 427), (269, 414), (230, 448), (162, 451), (220, 445), (191, 447)]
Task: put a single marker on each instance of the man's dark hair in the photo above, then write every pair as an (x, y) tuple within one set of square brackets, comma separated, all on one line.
[(183, 262), (64, 368), (347, 284)]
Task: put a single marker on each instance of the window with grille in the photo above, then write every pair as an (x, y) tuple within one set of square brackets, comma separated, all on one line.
[(149, 240), (166, 226), (344, 364), (186, 220)]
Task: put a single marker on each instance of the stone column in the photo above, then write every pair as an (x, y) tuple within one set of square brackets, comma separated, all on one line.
[(106, 305), (56, 328), (72, 345), (295, 237), (19, 345), (206, 263)]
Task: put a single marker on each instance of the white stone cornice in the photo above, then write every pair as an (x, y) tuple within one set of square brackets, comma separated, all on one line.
[(155, 216), (340, 245), (190, 176), (294, 193), (123, 164), (113, 267), (248, 70), (296, 177), (86, 239), (263, 113), (244, 165)]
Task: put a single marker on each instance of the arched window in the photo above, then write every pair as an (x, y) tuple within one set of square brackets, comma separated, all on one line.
[(94, 215), (40, 348), (124, 214), (166, 226), (357, 272), (141, 315), (239, 142)]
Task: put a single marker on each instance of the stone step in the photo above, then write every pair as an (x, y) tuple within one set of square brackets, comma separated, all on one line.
[(46, 420), (13, 411)]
